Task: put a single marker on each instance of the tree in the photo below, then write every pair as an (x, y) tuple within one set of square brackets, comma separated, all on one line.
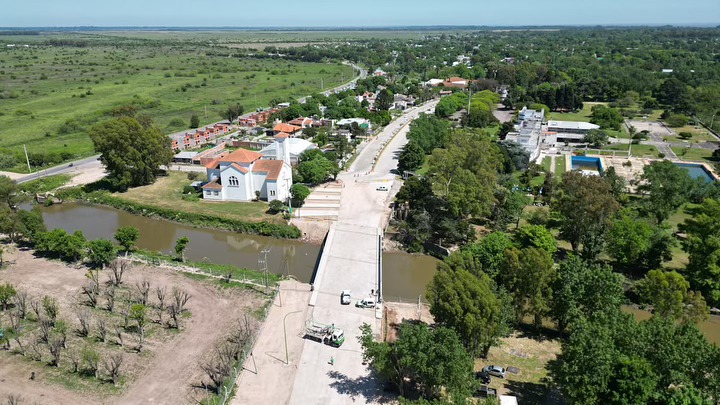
[(411, 157), (7, 292), (194, 121), (596, 137), (384, 100), (666, 187), (432, 359), (516, 153), (101, 252), (298, 193), (127, 237), (529, 275), (138, 313), (703, 246), (677, 121), (234, 111), (586, 206), (616, 182), (315, 168), (508, 208), (583, 290), (112, 365), (180, 246), (536, 236), (58, 243), (606, 117), (632, 381), (636, 244), (132, 153), (667, 292), (467, 304)]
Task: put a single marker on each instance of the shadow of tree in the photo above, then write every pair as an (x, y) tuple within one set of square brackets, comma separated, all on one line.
[(534, 393), (368, 387)]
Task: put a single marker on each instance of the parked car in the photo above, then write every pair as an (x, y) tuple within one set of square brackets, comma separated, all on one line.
[(483, 377), (484, 391), (366, 303), (497, 371), (345, 297), (382, 188)]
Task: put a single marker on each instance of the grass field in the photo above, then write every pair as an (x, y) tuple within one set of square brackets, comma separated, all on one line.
[(582, 115), (166, 192), (560, 168), (699, 134), (547, 161), (696, 154), (51, 96)]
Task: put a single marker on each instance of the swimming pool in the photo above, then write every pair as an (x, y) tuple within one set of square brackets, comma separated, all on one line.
[(697, 171), (584, 163)]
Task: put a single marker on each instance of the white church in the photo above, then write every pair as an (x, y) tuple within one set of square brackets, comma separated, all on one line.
[(239, 175)]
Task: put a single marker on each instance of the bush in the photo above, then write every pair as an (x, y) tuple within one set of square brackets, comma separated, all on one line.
[(276, 206), (192, 176), (685, 135), (299, 193), (677, 120), (188, 190)]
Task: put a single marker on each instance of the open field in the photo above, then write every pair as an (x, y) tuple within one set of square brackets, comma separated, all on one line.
[(167, 370), (581, 116), (560, 168), (695, 154), (274, 38), (547, 161), (700, 134), (52, 95), (166, 192)]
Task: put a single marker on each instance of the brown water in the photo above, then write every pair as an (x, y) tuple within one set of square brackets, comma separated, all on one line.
[(709, 328), (404, 276)]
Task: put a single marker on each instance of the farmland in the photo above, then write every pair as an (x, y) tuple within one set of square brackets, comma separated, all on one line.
[(54, 89)]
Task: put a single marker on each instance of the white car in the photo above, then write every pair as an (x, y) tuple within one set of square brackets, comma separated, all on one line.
[(345, 297), (366, 303)]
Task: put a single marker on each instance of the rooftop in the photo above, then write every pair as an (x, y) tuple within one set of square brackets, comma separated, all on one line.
[(560, 125)]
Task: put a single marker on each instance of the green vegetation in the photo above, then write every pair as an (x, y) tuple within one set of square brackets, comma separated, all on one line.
[(58, 88), (45, 184), (560, 167), (694, 154)]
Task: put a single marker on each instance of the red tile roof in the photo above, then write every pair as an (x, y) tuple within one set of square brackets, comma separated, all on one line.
[(282, 135), (238, 167), (271, 167), (213, 185), (282, 127), (240, 156)]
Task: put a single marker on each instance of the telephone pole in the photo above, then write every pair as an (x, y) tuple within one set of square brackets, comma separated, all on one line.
[(27, 159)]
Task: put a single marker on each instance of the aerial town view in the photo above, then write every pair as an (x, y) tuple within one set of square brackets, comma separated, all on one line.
[(230, 203)]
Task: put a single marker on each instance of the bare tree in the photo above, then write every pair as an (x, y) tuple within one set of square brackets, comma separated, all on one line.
[(118, 268), (220, 366), (102, 329), (55, 346), (61, 329), (44, 331), (110, 297), (143, 288), (92, 288), (74, 355), (119, 334), (36, 306), (20, 300), (174, 313), (13, 399), (34, 347), (161, 293), (240, 334), (181, 298), (18, 328), (83, 316), (112, 366)]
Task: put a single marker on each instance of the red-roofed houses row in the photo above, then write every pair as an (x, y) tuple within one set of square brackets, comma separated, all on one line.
[(199, 137)]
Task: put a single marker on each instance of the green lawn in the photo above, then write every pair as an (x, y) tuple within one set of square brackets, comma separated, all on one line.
[(51, 96), (547, 161), (582, 115), (699, 134), (695, 154), (44, 184), (166, 192), (560, 168)]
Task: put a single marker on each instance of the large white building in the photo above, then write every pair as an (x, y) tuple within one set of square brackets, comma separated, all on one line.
[(528, 130), (295, 146), (241, 174)]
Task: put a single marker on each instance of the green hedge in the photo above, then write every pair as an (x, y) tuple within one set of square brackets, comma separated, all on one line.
[(200, 220)]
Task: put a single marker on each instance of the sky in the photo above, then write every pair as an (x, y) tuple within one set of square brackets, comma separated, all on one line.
[(354, 13)]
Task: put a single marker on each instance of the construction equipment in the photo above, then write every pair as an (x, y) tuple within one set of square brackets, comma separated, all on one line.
[(327, 334)]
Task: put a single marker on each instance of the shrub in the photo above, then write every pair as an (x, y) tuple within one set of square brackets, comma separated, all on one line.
[(192, 176), (677, 120), (276, 206), (685, 135), (188, 190)]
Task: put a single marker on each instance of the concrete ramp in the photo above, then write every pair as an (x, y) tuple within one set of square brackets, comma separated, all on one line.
[(323, 202)]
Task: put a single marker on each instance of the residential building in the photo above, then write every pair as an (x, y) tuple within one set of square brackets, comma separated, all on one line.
[(238, 176)]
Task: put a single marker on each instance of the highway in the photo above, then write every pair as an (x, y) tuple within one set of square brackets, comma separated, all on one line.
[(89, 163)]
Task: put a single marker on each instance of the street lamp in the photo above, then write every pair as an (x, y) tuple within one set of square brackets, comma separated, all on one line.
[(285, 334)]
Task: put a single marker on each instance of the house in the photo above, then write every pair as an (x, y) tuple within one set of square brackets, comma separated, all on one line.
[(291, 130), (296, 146), (185, 157), (379, 72), (240, 175), (302, 122), (456, 82)]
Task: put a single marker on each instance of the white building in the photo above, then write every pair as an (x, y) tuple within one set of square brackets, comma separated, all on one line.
[(240, 174), (528, 130), (296, 146), (568, 131)]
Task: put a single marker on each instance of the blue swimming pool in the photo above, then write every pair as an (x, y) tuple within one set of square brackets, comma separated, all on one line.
[(697, 171), (587, 163)]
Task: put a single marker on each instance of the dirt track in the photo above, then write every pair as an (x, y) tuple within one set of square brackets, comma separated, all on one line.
[(167, 375)]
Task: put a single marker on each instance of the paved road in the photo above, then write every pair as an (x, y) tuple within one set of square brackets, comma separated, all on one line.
[(350, 261), (82, 164)]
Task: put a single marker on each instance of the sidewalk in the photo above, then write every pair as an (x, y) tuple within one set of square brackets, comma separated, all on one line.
[(273, 382)]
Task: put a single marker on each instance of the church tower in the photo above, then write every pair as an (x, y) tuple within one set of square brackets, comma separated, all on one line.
[(282, 152)]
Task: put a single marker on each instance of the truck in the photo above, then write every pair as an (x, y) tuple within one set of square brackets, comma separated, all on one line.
[(327, 334)]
